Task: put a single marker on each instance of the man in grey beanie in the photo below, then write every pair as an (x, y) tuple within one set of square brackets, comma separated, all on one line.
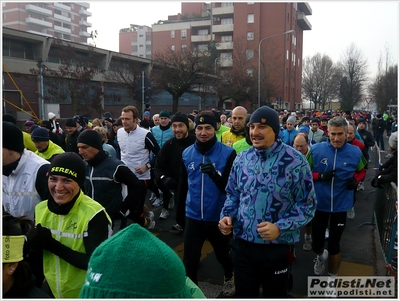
[(266, 183)]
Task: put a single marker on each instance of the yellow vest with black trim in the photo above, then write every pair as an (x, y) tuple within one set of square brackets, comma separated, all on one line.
[(64, 279)]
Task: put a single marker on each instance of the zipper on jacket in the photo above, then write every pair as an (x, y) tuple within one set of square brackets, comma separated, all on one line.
[(202, 192), (58, 259), (333, 179), (91, 182)]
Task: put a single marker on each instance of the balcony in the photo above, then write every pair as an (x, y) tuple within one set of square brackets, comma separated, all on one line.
[(304, 7), (62, 29), (38, 10), (62, 6), (84, 12), (303, 21), (222, 28), (62, 18), (38, 22), (224, 46), (84, 4), (84, 34), (200, 38), (85, 23), (223, 10)]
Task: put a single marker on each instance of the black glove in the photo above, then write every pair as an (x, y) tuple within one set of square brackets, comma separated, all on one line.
[(326, 176), (169, 182), (351, 183), (208, 169), (40, 238)]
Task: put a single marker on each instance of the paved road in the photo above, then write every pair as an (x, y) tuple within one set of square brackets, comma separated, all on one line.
[(361, 256)]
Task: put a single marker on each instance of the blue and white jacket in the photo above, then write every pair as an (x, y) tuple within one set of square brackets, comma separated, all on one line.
[(332, 195), (273, 185), (204, 199)]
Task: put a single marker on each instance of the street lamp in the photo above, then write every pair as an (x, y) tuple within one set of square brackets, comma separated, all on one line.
[(259, 61)]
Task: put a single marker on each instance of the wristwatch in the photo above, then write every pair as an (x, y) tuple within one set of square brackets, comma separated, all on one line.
[(148, 165)]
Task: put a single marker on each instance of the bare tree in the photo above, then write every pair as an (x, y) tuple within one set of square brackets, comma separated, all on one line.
[(320, 80), (383, 89), (239, 82), (353, 77), (73, 78), (179, 71), (130, 75)]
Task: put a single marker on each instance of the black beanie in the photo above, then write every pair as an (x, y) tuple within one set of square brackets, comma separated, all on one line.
[(12, 137), (179, 117), (40, 134), (71, 122), (91, 138), (268, 116), (10, 118), (69, 165), (205, 119)]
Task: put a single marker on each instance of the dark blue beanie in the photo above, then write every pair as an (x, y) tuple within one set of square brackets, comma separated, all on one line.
[(268, 116)]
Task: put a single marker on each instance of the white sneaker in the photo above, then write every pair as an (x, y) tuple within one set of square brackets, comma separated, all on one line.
[(319, 266), (152, 197), (171, 203), (307, 242), (229, 287), (164, 213), (158, 202), (326, 233), (351, 213), (360, 186), (150, 221)]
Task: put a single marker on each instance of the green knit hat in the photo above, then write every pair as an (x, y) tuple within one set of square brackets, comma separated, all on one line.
[(134, 263)]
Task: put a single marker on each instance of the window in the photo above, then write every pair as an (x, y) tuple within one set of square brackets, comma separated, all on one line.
[(250, 18), (140, 36), (183, 34), (134, 48), (250, 36), (183, 47), (202, 47), (249, 71), (226, 4), (294, 40), (226, 56), (172, 34), (173, 47), (250, 3), (249, 54), (294, 59), (140, 46), (226, 21), (226, 39), (287, 54), (203, 32)]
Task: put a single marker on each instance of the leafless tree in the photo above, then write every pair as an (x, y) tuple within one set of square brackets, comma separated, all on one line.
[(320, 80), (129, 74), (353, 68), (73, 78), (383, 89), (179, 71)]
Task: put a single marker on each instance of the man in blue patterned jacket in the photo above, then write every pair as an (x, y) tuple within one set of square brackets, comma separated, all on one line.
[(270, 195)]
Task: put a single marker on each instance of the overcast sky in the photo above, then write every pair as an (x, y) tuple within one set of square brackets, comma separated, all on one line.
[(370, 25)]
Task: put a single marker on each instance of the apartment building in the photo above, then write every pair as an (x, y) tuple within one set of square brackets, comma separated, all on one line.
[(136, 40), (255, 30), (63, 20)]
